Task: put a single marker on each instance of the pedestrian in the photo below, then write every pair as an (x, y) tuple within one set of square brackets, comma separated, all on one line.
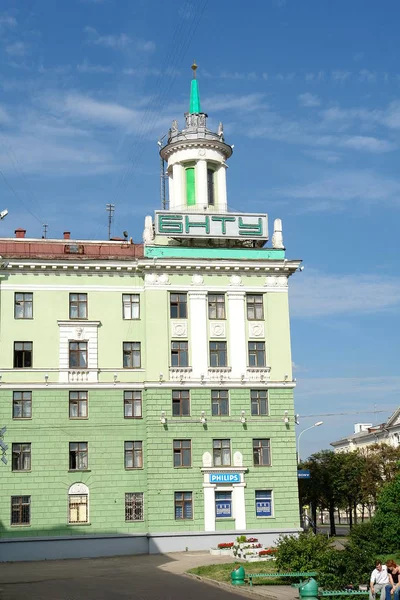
[(379, 580), (393, 589)]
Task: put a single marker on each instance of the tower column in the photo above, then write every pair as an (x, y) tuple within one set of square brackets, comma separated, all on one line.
[(201, 183), (178, 200), (221, 183), (237, 333)]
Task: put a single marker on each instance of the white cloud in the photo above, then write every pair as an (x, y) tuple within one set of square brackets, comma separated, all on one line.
[(367, 76), (315, 294), (104, 113), (349, 387), (325, 155), (17, 49), (309, 100), (7, 21), (370, 144), (86, 67), (231, 102), (118, 42), (340, 76), (335, 191)]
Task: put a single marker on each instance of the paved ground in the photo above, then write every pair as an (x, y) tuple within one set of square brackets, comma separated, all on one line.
[(156, 577)]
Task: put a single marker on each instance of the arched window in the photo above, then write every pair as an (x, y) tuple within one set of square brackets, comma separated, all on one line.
[(78, 503)]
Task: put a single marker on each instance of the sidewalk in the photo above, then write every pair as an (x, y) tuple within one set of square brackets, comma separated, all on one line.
[(180, 562)]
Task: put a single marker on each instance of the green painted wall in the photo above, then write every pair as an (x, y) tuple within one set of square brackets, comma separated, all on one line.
[(50, 430), (190, 186), (213, 253)]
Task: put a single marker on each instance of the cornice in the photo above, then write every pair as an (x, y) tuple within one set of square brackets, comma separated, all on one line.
[(196, 143)]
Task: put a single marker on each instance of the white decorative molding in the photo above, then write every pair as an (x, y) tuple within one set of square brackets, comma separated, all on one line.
[(156, 279), (276, 281), (219, 373), (197, 279), (258, 373), (256, 329), (180, 373), (179, 329), (207, 460), (82, 331), (235, 280), (217, 329), (237, 459), (78, 489)]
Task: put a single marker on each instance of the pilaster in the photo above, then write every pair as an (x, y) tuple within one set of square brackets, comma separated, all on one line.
[(198, 332), (237, 332)]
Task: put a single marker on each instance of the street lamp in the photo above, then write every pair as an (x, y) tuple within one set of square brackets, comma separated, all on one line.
[(317, 424)]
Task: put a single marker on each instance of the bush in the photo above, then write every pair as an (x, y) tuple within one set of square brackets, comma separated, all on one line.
[(301, 553), (387, 517), (366, 536), (351, 566)]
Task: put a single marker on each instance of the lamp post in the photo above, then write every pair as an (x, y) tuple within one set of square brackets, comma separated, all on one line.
[(317, 424)]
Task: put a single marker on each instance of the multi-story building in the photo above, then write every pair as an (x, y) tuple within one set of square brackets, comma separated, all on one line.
[(146, 389), (367, 434)]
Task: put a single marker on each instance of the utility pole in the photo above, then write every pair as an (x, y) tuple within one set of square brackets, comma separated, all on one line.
[(110, 209)]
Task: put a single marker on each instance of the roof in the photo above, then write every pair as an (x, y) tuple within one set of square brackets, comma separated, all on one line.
[(67, 249), (392, 421)]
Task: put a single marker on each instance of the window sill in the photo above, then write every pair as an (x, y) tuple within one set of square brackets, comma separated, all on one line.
[(79, 418), (79, 524), (224, 519), (20, 524), (21, 471), (22, 418), (134, 418), (133, 468), (79, 470), (78, 319), (190, 467), (23, 318), (135, 521), (257, 466)]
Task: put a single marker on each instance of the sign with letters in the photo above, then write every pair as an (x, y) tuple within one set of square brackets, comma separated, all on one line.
[(303, 474), (224, 477), (223, 508), (211, 225)]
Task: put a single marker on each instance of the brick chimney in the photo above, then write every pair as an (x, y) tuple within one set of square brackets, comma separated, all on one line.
[(20, 233), (67, 235)]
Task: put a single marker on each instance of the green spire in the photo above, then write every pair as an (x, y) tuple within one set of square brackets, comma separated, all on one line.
[(194, 93)]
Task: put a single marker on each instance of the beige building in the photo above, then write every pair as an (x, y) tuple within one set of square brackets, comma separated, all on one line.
[(366, 434)]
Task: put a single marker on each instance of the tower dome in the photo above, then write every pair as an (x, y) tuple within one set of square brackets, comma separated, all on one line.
[(196, 161)]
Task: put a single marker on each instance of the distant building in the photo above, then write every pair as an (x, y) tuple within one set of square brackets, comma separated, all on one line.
[(366, 434), (147, 389)]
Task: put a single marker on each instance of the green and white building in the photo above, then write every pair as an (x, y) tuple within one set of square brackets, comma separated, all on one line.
[(147, 389)]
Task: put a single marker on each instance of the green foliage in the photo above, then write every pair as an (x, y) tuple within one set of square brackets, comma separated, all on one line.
[(387, 517), (302, 553), (241, 539), (351, 566), (366, 536)]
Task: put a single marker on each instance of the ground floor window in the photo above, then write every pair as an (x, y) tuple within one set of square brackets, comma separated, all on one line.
[(183, 505), (223, 505), (20, 510), (78, 508), (134, 506), (263, 503)]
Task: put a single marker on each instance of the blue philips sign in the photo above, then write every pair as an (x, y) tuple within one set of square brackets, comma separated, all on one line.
[(224, 477), (303, 474)]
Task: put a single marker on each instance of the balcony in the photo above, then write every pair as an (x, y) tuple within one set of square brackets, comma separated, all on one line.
[(258, 373), (82, 375)]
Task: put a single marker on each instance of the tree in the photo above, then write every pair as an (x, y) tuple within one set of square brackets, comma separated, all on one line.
[(387, 517)]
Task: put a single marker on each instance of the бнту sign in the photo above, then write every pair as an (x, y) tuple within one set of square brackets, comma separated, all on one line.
[(211, 225)]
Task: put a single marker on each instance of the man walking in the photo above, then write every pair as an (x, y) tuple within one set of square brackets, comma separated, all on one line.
[(379, 579)]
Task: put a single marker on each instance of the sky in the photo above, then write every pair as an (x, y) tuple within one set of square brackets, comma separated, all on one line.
[(309, 94)]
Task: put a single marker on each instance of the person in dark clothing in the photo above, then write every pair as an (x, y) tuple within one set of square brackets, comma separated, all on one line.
[(392, 591)]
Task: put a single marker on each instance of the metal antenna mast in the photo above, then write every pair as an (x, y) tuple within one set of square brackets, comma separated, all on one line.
[(45, 226), (110, 209), (163, 176)]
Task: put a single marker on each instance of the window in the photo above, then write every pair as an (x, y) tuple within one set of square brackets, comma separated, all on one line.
[(78, 456), (180, 403), (133, 455), (263, 503), (23, 306), (216, 306), (78, 405), (183, 505), (256, 354), (130, 306), (134, 506), (22, 405), (22, 355), (222, 453), (131, 355), (78, 508), (219, 403), (133, 405), (182, 453), (78, 355), (210, 187), (262, 453), (259, 402), (20, 510), (223, 505), (21, 457), (255, 307), (78, 306), (179, 354), (218, 354), (178, 306)]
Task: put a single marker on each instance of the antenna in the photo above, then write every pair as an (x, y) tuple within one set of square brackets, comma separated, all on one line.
[(163, 176), (45, 226), (110, 209)]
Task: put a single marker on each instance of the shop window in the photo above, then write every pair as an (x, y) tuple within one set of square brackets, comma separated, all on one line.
[(223, 505), (264, 503)]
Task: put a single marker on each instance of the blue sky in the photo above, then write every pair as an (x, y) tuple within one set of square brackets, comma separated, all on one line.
[(309, 93)]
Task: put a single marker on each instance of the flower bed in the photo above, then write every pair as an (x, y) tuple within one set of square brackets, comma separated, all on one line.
[(248, 549)]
